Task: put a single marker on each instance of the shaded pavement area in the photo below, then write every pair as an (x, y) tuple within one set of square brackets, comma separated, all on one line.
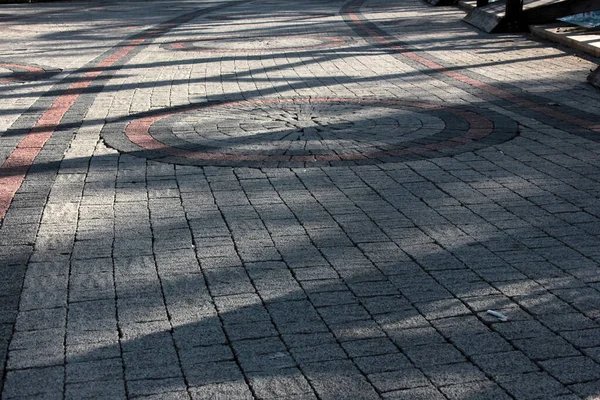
[(276, 199)]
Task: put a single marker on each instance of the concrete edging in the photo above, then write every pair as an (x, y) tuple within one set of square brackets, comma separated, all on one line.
[(578, 38)]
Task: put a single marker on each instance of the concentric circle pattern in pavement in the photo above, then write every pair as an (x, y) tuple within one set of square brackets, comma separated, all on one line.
[(312, 131), (255, 44)]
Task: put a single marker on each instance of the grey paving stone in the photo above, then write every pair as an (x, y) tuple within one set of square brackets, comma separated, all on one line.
[(92, 350), (251, 330), (369, 347), (428, 392), (543, 304), (449, 374), (228, 281), (34, 382), (284, 384), (155, 364), (237, 390), (404, 319), (433, 354), (479, 390), (583, 338), (307, 339), (382, 363), (415, 336), (262, 355), (371, 289), (37, 338), (210, 373), (315, 273), (343, 313), (489, 302), (521, 329), (199, 355), (586, 390), (324, 299), (571, 370), (173, 388), (545, 347), (107, 389), (460, 326), (356, 330), (344, 387), (199, 334), (326, 369), (41, 319), (483, 343), (35, 357), (318, 352), (442, 309), (567, 322), (405, 378), (511, 362), (533, 386), (172, 395)]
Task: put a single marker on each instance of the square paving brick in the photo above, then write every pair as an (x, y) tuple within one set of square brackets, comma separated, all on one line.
[(583, 338), (480, 390), (262, 355), (572, 369), (449, 374), (319, 352), (433, 354), (406, 378), (442, 309), (209, 373), (533, 386), (93, 371), (284, 384), (356, 330), (419, 393), (545, 347), (34, 382), (107, 389), (483, 343), (382, 363), (238, 390), (344, 387), (511, 362)]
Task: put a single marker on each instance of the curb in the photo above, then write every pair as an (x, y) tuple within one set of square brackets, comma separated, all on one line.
[(576, 37)]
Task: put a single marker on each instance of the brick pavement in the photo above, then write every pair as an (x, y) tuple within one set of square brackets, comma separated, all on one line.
[(272, 199)]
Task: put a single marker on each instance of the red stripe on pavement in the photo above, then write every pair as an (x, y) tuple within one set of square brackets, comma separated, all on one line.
[(503, 94), (14, 169)]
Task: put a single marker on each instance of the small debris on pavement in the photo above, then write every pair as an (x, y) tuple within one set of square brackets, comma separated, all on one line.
[(498, 315)]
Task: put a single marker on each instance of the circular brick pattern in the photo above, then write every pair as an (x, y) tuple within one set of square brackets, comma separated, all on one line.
[(255, 44), (296, 16), (319, 131), (14, 72)]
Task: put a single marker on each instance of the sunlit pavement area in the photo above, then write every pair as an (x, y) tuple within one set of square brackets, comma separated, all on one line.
[(294, 200)]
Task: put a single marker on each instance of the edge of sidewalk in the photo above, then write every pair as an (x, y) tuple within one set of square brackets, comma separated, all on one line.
[(585, 40)]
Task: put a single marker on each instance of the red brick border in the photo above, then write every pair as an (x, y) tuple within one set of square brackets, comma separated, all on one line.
[(138, 132), (189, 45)]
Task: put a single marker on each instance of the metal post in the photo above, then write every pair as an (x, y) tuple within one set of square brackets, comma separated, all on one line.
[(514, 10)]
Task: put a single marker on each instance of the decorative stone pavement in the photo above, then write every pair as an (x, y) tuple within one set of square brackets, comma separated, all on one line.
[(311, 131), (17, 72), (272, 199)]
